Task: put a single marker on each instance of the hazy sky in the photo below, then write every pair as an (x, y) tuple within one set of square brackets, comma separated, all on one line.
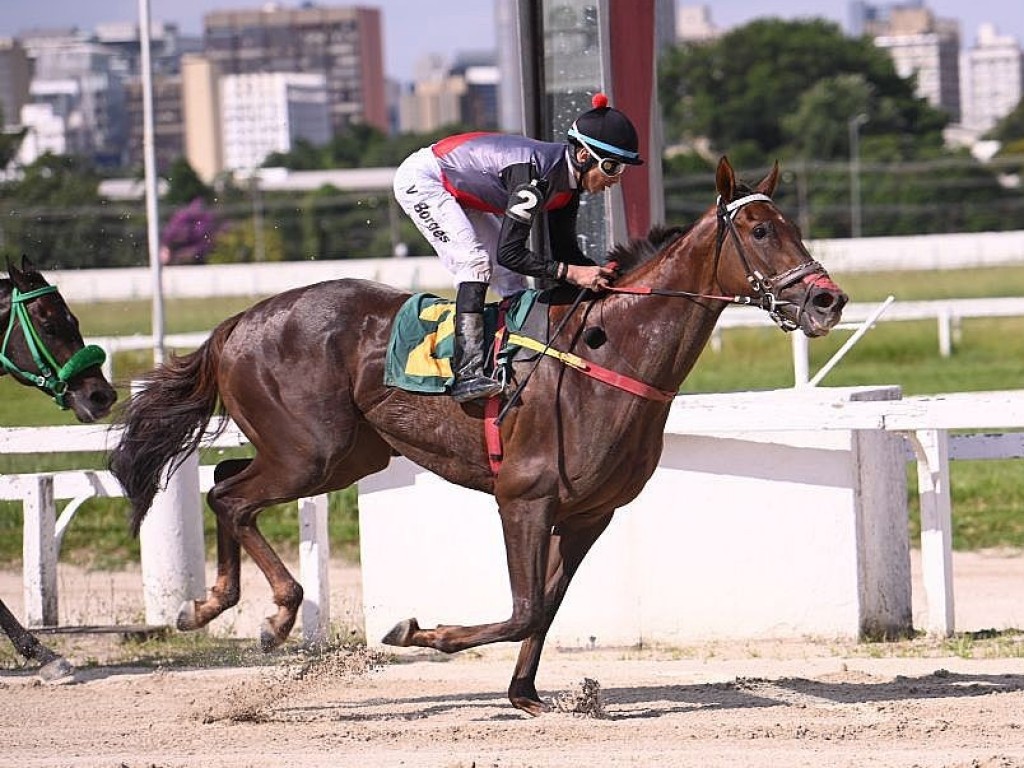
[(415, 28)]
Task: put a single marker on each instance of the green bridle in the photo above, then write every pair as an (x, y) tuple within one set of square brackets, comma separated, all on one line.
[(52, 377)]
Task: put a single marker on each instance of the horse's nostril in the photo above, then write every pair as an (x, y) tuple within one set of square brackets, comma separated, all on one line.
[(829, 300), (823, 301), (103, 398)]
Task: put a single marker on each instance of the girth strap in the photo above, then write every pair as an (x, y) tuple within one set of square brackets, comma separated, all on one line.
[(595, 371)]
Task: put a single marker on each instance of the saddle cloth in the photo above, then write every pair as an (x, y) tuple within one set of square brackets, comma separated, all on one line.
[(423, 340)]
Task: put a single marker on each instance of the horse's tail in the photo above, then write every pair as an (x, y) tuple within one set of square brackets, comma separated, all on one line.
[(164, 421)]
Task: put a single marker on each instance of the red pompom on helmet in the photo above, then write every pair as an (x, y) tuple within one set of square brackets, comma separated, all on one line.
[(607, 131)]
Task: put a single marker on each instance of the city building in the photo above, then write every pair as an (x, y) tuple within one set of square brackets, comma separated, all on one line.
[(341, 44), (268, 112), (166, 46), (694, 24), (83, 82), (15, 77), (200, 111), (465, 93), (992, 79), (923, 47), (47, 132), (168, 123)]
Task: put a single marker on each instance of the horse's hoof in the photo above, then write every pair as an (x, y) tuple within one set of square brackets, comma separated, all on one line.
[(523, 695), (58, 671), (401, 634), (269, 638), (532, 707), (186, 621)]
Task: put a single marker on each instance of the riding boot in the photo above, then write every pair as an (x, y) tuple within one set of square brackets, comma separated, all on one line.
[(468, 361)]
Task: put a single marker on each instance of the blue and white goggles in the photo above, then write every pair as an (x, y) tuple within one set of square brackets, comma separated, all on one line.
[(606, 165)]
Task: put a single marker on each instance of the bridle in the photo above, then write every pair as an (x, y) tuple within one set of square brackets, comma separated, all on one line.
[(51, 377), (765, 289)]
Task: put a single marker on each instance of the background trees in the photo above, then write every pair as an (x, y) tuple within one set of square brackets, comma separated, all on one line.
[(828, 107)]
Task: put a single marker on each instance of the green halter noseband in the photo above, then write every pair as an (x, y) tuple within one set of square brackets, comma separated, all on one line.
[(52, 377)]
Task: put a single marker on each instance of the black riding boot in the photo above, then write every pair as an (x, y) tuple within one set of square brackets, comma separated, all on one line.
[(468, 361)]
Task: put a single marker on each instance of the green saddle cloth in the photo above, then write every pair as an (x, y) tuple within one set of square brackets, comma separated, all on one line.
[(423, 340)]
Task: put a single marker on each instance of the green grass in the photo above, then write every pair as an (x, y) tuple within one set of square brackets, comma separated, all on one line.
[(988, 495)]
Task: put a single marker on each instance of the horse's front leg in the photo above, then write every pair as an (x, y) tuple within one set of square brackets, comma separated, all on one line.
[(570, 542), (526, 526)]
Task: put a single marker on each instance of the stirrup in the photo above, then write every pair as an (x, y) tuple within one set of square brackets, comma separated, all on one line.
[(475, 388)]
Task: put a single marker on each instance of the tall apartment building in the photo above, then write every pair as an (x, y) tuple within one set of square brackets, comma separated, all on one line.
[(166, 46), (992, 79), (268, 112), (200, 109), (15, 76), (924, 47), (168, 123), (343, 44), (47, 132), (465, 93), (693, 24), (83, 82)]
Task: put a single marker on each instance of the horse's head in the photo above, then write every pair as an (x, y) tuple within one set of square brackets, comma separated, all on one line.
[(42, 346), (760, 251)]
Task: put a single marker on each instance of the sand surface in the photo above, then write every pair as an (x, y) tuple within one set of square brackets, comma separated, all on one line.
[(800, 702)]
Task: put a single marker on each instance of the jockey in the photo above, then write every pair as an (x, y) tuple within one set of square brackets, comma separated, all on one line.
[(475, 197)]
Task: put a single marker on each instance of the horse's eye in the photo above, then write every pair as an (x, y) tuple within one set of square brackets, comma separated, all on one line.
[(760, 232), (49, 327)]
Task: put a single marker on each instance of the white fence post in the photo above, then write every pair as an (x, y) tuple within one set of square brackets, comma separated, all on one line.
[(945, 321), (39, 553), (314, 559), (171, 544), (932, 449), (801, 361)]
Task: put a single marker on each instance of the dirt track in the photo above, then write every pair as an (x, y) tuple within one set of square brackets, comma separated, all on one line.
[(798, 703)]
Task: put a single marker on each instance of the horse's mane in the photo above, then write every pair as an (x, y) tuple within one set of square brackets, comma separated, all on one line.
[(641, 249)]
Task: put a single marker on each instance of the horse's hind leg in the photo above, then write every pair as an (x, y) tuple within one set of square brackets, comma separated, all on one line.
[(570, 543), (226, 590), (54, 667), (236, 529), (274, 477)]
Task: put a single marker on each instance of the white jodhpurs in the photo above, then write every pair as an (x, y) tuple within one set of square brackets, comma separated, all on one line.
[(466, 240)]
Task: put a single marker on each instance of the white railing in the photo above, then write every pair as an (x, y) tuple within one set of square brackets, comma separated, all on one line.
[(948, 314), (924, 421), (170, 571)]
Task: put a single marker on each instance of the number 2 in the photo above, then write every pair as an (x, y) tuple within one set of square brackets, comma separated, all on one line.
[(524, 210)]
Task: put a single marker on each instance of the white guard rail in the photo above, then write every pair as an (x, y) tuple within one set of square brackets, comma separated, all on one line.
[(709, 438), (776, 513), (171, 543)]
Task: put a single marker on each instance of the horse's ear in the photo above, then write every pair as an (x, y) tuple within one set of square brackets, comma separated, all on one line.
[(13, 271), (769, 182), (20, 276), (725, 180)]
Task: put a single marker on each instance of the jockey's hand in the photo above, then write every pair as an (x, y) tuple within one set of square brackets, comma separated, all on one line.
[(595, 278)]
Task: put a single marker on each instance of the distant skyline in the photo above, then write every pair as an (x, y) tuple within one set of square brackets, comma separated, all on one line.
[(413, 29)]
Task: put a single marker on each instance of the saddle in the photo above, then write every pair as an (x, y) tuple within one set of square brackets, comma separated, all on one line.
[(422, 339)]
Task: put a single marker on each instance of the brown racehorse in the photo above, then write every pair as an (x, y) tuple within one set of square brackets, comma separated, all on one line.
[(42, 348), (302, 376)]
